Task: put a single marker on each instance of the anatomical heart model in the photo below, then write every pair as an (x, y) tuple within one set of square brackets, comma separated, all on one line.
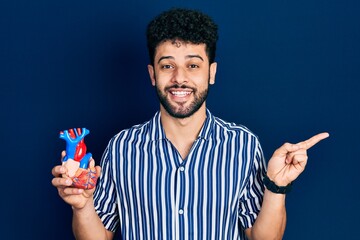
[(77, 160)]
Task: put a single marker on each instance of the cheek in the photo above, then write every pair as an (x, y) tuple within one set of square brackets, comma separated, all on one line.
[(201, 78), (161, 79)]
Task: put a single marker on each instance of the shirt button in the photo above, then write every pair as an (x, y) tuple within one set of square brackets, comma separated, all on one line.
[(181, 211), (182, 168)]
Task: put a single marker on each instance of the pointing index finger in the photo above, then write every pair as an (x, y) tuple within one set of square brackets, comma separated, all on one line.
[(314, 140)]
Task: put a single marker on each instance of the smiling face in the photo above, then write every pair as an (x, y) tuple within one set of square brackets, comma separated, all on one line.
[(181, 75)]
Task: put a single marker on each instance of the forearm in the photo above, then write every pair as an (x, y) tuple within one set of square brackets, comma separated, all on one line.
[(87, 224), (271, 222)]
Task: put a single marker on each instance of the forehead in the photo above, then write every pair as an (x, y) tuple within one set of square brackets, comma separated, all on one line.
[(180, 49)]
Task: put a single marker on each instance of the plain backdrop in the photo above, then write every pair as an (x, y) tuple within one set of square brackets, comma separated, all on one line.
[(286, 69)]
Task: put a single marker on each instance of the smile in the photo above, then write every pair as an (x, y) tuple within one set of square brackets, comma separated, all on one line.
[(180, 93)]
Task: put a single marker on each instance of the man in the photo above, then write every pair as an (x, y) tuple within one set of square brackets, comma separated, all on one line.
[(185, 174)]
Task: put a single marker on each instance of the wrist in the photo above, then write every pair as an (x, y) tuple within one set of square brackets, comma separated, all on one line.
[(89, 204), (278, 179)]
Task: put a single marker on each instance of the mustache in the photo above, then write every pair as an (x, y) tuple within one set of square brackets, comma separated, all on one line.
[(179, 86)]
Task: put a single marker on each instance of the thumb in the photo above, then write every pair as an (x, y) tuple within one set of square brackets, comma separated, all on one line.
[(97, 168), (98, 171)]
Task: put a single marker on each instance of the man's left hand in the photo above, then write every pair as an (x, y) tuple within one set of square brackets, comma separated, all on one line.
[(289, 161)]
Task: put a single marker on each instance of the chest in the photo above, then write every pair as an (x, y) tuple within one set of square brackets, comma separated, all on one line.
[(210, 169)]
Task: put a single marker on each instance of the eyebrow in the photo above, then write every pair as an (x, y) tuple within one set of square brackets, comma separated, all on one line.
[(165, 57), (187, 57)]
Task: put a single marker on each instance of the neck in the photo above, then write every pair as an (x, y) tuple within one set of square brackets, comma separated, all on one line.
[(182, 132)]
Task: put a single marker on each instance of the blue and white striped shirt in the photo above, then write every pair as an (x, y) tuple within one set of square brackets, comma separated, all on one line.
[(147, 191)]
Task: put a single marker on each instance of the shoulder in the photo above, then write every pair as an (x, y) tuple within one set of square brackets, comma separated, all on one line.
[(233, 128), (134, 132)]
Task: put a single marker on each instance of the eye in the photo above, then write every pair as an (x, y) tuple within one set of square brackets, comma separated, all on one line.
[(167, 66), (193, 66)]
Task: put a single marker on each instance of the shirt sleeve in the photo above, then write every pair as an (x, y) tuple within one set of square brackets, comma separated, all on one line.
[(252, 196), (105, 194)]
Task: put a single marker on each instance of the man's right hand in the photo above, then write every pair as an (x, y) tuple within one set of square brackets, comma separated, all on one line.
[(76, 197)]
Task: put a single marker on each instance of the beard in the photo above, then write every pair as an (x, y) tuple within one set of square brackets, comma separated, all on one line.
[(180, 110)]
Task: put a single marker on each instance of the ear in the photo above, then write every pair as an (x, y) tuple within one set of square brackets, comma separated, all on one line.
[(151, 74), (213, 67)]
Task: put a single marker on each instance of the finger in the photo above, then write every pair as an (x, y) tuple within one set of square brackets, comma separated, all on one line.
[(63, 154), (91, 163), (297, 159), (98, 171), (290, 156), (285, 149), (58, 171), (92, 166), (313, 140), (72, 191), (61, 182)]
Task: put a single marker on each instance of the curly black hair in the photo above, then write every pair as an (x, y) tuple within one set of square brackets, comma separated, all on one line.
[(187, 25)]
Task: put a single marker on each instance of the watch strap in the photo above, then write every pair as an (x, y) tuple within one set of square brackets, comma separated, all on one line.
[(272, 187)]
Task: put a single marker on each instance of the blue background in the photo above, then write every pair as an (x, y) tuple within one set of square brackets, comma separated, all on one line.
[(286, 69)]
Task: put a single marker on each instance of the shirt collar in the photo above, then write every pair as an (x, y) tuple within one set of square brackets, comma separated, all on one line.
[(157, 131)]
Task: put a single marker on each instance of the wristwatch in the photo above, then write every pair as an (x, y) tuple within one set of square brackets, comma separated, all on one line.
[(272, 187)]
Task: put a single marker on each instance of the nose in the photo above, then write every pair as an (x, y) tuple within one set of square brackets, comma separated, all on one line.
[(180, 76)]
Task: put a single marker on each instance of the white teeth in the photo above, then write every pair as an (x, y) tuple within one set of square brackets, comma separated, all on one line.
[(180, 93)]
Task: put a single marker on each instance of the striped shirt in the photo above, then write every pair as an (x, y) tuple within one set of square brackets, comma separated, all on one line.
[(147, 191)]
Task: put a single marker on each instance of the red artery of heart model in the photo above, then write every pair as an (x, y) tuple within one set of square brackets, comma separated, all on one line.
[(80, 147)]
